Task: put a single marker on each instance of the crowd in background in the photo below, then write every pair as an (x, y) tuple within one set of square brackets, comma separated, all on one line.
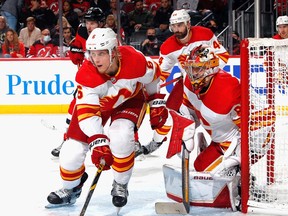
[(34, 24)]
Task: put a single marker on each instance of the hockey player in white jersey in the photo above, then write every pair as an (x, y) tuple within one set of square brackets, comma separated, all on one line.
[(211, 99), (175, 50), (117, 83)]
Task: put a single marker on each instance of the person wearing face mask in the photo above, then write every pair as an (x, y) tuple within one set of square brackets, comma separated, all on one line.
[(151, 45), (139, 19), (44, 47)]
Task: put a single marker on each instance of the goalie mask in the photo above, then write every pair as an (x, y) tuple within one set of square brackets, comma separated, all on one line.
[(200, 65)]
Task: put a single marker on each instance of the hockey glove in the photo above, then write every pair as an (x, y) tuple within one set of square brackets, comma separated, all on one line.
[(158, 111), (99, 146), (76, 53)]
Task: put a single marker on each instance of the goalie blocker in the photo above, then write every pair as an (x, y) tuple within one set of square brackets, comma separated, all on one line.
[(204, 190)]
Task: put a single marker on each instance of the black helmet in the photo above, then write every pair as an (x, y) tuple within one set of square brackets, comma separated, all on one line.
[(95, 14)]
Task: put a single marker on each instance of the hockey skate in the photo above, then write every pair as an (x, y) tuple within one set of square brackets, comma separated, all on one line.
[(56, 151), (148, 149), (119, 194), (66, 197)]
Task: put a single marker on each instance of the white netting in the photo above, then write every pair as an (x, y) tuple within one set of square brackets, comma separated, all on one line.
[(268, 123)]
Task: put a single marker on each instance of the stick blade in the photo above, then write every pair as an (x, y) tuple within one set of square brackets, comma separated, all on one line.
[(170, 208)]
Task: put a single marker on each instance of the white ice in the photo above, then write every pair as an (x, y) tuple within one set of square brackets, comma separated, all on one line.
[(29, 173)]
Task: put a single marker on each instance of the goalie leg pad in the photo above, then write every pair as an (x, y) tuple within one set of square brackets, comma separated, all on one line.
[(204, 191)]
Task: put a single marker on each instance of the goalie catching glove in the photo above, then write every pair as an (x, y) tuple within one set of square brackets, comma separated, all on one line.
[(158, 111), (99, 146), (76, 53)]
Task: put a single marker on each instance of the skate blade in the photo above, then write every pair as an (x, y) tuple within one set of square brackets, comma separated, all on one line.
[(51, 206), (118, 210)]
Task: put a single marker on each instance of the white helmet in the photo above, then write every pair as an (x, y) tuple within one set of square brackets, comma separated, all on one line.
[(281, 20), (101, 39), (179, 16)]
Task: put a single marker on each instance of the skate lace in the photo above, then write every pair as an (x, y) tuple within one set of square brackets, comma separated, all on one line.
[(152, 146), (64, 193), (119, 189)]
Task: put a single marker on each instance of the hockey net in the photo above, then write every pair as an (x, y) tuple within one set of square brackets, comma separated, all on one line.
[(264, 126)]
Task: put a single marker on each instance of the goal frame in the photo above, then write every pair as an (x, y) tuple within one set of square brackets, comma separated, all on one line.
[(245, 112)]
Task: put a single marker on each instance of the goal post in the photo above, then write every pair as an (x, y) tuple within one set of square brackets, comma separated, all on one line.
[(264, 125)]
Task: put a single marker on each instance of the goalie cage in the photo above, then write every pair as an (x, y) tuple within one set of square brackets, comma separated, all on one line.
[(264, 126)]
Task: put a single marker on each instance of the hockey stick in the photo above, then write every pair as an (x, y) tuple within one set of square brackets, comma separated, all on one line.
[(92, 187), (50, 126), (171, 81), (185, 178), (184, 207)]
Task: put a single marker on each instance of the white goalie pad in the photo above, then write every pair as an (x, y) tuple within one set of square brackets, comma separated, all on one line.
[(204, 190)]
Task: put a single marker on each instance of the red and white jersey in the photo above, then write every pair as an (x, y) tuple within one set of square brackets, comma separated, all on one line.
[(99, 92), (173, 52), (217, 109)]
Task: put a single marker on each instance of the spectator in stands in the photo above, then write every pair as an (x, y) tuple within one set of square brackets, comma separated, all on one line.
[(127, 6), (123, 16), (43, 47), (55, 32), (212, 25), (44, 17), (236, 43), (80, 7), (139, 19), (281, 6), (152, 3), (217, 8), (161, 20), (151, 45), (67, 39), (111, 23), (52, 5), (281, 27), (70, 14), (29, 34), (12, 47), (3, 29), (10, 10)]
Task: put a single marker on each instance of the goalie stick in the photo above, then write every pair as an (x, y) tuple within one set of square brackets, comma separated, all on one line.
[(185, 178), (92, 187), (184, 207)]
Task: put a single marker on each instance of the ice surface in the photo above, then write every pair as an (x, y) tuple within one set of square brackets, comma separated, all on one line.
[(29, 173)]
